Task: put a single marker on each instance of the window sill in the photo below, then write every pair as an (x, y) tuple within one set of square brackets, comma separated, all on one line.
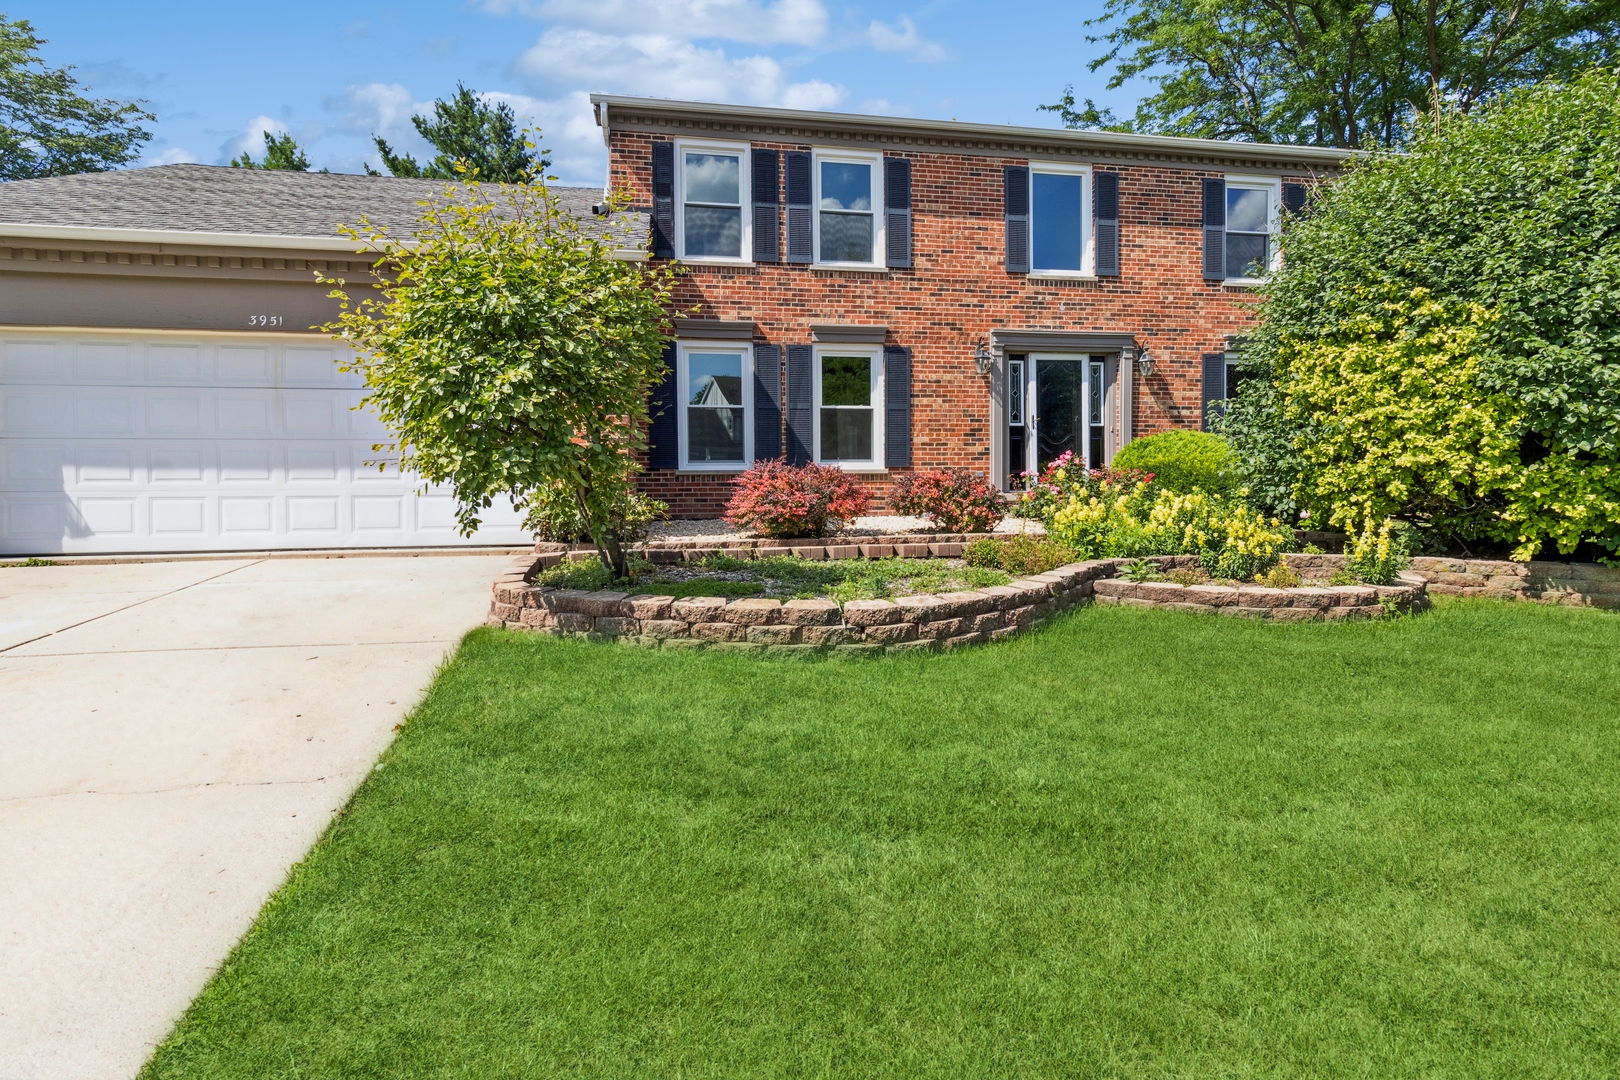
[(716, 262), (857, 268), (856, 467), (1246, 282), (1058, 275)]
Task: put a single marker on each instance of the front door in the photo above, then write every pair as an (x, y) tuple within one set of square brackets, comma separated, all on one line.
[(1069, 414)]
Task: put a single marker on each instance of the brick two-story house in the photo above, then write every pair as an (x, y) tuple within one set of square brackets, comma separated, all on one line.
[(887, 294)]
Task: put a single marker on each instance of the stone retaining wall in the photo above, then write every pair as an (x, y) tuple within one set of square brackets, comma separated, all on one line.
[(1258, 602), (1572, 584), (908, 623), (753, 624)]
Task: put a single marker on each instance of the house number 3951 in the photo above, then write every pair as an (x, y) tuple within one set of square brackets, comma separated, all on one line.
[(264, 320)]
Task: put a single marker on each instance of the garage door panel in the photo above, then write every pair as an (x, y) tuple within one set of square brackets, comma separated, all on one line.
[(152, 442), (32, 362)]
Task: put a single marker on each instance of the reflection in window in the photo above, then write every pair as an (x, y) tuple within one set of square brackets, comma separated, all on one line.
[(846, 212), (1248, 232), (846, 408), (1056, 225), (714, 407), (713, 206)]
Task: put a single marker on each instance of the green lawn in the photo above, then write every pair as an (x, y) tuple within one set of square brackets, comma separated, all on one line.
[(1136, 844)]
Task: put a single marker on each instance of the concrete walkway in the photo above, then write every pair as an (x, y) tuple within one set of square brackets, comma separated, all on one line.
[(173, 737)]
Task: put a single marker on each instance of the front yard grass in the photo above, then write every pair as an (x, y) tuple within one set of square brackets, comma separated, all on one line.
[(1136, 844)]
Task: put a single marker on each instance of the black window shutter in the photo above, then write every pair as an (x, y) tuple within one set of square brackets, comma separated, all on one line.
[(897, 211), (767, 207), (1017, 201), (799, 436), (1293, 198), (767, 402), (1214, 229), (798, 207), (1105, 197), (663, 432), (1214, 390), (896, 407), (663, 189)]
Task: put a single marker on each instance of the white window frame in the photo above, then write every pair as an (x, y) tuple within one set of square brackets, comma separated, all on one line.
[(875, 353), (744, 192), (879, 240), (1088, 254), (1272, 185), (683, 390)]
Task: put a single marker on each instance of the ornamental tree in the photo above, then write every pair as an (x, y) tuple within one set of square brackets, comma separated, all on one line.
[(1442, 343), (511, 353)]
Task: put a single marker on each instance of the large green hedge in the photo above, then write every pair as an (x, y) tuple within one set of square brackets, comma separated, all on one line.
[(1443, 340)]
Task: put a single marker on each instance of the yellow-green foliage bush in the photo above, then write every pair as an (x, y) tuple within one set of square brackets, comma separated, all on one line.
[(1183, 460), (1231, 540)]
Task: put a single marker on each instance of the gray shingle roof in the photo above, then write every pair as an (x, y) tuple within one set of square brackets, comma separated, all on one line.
[(219, 199)]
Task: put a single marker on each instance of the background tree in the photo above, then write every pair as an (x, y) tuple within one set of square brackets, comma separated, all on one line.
[(510, 353), (468, 130), (1442, 342), (280, 152), (47, 127), (1333, 72)]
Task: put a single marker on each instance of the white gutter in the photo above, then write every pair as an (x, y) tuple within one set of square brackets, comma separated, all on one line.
[(181, 236)]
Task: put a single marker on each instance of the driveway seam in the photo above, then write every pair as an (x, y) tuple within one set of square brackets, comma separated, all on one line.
[(126, 607)]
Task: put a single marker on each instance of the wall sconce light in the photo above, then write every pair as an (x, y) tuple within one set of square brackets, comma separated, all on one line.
[(1144, 363), (982, 359)]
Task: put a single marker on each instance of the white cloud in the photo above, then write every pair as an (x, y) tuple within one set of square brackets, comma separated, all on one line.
[(654, 64), (251, 141), (377, 109), (787, 22), (172, 155), (904, 39), (568, 132)]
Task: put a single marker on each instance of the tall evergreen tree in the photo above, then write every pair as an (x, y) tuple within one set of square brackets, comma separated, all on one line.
[(49, 128), (482, 136), (281, 152)]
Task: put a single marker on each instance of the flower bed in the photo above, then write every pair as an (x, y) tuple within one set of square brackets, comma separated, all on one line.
[(928, 622)]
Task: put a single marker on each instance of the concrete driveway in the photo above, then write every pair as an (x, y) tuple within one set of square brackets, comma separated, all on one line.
[(173, 737)]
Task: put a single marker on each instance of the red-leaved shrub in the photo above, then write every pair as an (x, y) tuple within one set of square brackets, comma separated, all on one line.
[(775, 499), (958, 500)]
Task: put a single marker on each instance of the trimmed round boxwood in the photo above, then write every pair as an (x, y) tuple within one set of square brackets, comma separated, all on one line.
[(1183, 461)]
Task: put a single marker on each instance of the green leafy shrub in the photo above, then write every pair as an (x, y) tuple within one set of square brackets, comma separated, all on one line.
[(1183, 461), (957, 500), (1140, 570), (1342, 576), (1442, 341), (1017, 554), (554, 514), (1067, 478)]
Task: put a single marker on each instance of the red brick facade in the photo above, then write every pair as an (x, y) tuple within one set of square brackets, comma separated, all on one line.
[(958, 291)]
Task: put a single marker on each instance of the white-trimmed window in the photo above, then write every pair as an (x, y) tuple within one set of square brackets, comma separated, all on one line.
[(848, 200), (715, 387), (848, 389), (711, 218), (1253, 205), (1060, 220)]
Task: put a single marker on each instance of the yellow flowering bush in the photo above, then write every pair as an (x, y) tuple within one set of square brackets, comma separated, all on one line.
[(1231, 540)]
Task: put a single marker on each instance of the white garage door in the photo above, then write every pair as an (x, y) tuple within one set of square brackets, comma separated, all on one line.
[(201, 442)]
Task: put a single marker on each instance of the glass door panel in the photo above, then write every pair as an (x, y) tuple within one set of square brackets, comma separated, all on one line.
[(1059, 404)]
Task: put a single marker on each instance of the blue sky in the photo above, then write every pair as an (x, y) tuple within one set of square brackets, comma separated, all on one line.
[(216, 74)]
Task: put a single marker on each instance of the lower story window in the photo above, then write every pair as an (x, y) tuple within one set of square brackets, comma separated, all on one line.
[(846, 406), (714, 408)]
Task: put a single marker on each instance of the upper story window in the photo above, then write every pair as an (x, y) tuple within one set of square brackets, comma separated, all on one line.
[(1251, 225), (1060, 210), (849, 190), (715, 391), (849, 425), (713, 185)]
